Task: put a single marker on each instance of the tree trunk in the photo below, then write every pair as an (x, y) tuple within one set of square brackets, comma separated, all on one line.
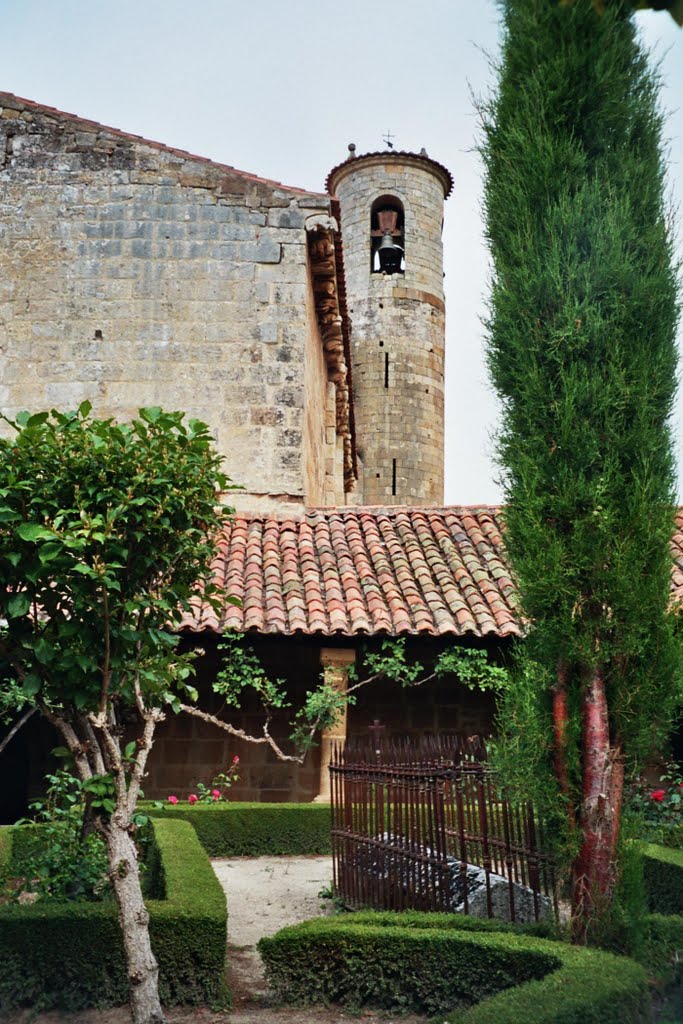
[(600, 810), (143, 972), (560, 723)]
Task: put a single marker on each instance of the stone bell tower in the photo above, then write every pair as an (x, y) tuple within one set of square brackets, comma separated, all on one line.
[(391, 209)]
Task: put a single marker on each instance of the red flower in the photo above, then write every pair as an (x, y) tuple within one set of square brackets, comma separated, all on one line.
[(236, 760), (173, 799), (216, 794), (192, 798), (658, 795)]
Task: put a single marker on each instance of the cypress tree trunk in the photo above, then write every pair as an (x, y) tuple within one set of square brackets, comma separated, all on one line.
[(594, 866), (581, 347)]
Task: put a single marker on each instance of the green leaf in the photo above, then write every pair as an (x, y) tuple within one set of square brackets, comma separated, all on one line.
[(151, 414), (37, 419), (62, 752), (47, 552), (31, 684), (18, 605), (44, 651), (34, 532), (84, 409)]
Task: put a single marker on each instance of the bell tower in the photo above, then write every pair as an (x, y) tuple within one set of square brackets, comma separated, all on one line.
[(391, 210)]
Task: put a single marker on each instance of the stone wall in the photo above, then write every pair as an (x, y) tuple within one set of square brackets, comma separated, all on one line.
[(187, 751), (132, 274)]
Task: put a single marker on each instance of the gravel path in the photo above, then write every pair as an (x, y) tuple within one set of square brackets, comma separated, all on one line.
[(265, 894)]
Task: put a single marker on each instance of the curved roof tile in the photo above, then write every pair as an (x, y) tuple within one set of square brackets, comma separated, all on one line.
[(372, 570)]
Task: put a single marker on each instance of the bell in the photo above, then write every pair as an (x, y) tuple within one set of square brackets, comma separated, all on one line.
[(390, 255)]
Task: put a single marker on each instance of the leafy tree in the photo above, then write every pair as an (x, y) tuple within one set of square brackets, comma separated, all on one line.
[(104, 539), (674, 7), (581, 349)]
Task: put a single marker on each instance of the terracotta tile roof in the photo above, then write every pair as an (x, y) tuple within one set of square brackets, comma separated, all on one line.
[(11, 102), (372, 570), (366, 570), (677, 548)]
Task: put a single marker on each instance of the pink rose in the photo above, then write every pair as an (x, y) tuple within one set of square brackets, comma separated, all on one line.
[(173, 799), (236, 760), (658, 795), (192, 798), (216, 794)]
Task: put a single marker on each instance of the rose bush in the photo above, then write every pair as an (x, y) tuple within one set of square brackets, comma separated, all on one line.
[(659, 811)]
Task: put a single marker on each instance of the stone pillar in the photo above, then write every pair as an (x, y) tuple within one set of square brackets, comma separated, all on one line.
[(336, 663)]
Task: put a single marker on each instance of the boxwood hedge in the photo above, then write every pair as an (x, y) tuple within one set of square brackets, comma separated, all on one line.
[(253, 830), (470, 971), (70, 955), (663, 872)]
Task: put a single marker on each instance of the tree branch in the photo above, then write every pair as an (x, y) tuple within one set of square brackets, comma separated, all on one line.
[(16, 727), (139, 702), (145, 745), (72, 741), (94, 746), (113, 760), (242, 735), (107, 651)]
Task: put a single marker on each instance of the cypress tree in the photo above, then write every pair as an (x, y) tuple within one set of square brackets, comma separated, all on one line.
[(581, 350)]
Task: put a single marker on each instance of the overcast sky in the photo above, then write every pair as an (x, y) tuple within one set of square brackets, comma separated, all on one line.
[(280, 87)]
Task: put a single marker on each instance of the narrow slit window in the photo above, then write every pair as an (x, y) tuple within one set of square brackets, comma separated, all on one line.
[(386, 369), (393, 477)]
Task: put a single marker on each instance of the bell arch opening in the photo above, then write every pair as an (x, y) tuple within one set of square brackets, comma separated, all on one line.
[(387, 236)]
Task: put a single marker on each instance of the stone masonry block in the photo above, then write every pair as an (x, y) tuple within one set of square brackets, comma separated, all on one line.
[(264, 250), (290, 217)]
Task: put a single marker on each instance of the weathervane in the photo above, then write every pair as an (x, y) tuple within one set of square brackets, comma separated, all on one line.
[(387, 137)]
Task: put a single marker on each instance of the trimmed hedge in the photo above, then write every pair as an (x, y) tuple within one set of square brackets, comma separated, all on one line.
[(5, 849), (663, 873), (444, 963), (253, 830), (25, 843), (70, 955), (663, 947)]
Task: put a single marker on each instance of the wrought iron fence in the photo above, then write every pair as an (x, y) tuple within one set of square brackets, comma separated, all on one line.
[(425, 825)]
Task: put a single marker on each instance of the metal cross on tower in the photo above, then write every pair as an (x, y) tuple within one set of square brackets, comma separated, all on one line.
[(387, 137)]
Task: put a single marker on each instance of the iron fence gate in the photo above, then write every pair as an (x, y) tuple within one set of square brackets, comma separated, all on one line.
[(424, 825)]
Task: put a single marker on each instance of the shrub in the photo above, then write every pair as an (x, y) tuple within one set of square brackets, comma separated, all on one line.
[(252, 830), (663, 872), (70, 955), (445, 963), (663, 947), (659, 809), (65, 864), (5, 849)]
